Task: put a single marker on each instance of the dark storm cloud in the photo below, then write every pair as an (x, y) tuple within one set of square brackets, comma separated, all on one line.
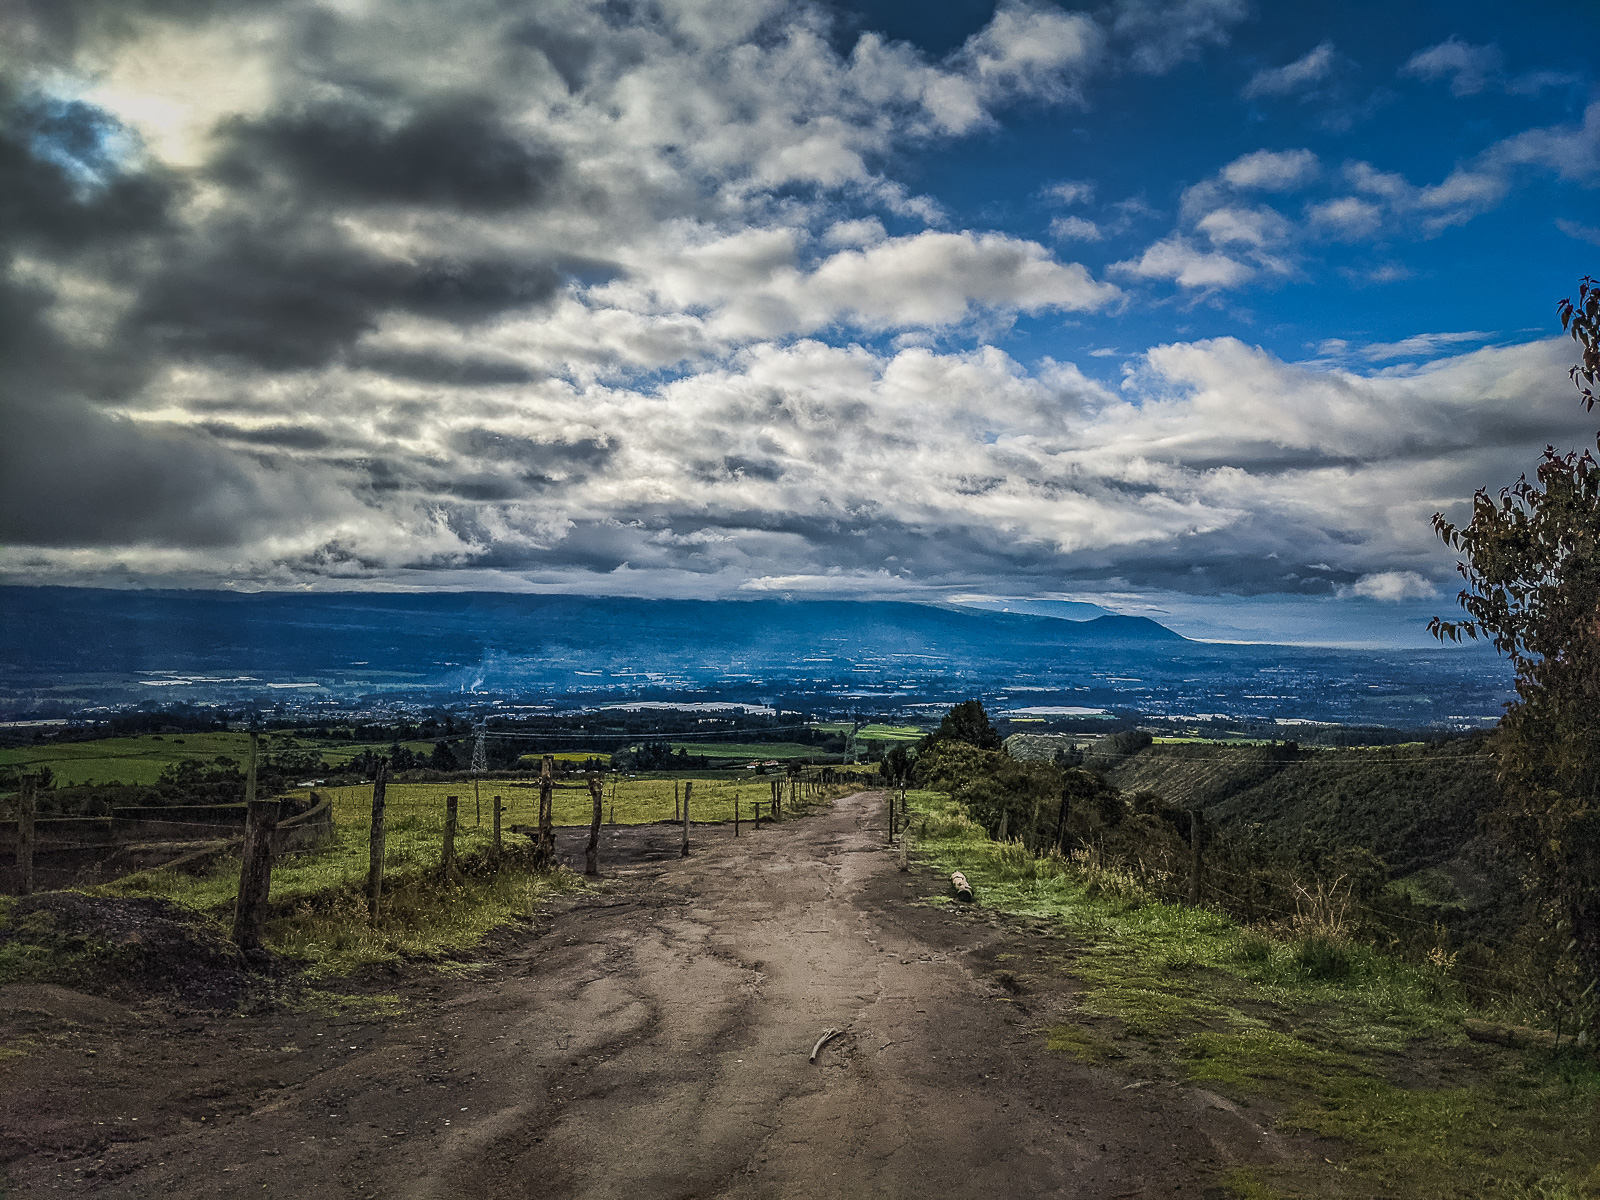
[(289, 293), (70, 475), (455, 153), (431, 367), (483, 487), (284, 437), (543, 457), (569, 55)]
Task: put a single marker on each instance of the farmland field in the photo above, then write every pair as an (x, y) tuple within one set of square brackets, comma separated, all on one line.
[(632, 801), (874, 732), (889, 733), (752, 750), (140, 760)]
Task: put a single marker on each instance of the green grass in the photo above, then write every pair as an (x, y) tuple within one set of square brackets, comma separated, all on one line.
[(421, 918), (1344, 1041), (1080, 1044)]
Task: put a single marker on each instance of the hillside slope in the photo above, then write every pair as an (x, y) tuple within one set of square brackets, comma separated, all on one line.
[(1416, 807)]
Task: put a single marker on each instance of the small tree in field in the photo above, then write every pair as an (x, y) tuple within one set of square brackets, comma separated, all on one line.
[(1531, 561)]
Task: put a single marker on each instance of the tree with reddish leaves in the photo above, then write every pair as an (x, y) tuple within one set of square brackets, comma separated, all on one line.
[(1531, 561)]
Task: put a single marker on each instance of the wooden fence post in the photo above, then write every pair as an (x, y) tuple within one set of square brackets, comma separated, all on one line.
[(497, 811), (1061, 820), (547, 806), (736, 814), (376, 840), (1196, 829), (591, 856), (255, 868), (447, 859), (26, 807), (688, 790)]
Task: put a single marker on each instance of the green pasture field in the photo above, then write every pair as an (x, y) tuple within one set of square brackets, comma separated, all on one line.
[(140, 760), (1223, 740), (874, 733), (889, 733), (752, 751), (531, 761), (1334, 1038), (629, 801)]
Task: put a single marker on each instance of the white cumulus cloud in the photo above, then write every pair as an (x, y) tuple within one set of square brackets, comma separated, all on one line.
[(1311, 68), (1393, 586)]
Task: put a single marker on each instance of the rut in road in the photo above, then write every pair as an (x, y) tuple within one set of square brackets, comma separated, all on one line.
[(654, 1042)]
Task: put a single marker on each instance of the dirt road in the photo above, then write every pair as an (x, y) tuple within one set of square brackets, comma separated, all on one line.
[(647, 1041)]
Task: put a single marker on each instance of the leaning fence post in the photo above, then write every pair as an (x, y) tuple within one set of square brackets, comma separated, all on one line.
[(1196, 826), (591, 856), (688, 790), (447, 860), (26, 805), (255, 869), (375, 842), (497, 812)]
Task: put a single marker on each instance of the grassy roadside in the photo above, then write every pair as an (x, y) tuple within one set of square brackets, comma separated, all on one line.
[(1337, 1040)]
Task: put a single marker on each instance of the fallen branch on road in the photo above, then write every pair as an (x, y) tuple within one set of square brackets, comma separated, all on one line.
[(823, 1041)]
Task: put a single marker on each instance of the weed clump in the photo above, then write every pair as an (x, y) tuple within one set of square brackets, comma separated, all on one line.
[(1324, 959), (1253, 948)]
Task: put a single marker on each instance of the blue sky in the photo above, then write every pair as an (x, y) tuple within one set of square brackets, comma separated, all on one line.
[(1146, 140), (1194, 309)]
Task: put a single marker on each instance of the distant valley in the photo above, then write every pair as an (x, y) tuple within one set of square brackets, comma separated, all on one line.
[(69, 650)]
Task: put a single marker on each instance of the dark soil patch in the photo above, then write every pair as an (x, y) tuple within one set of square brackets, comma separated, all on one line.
[(130, 950)]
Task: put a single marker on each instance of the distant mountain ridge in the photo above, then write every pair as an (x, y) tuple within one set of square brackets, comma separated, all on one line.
[(134, 631)]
